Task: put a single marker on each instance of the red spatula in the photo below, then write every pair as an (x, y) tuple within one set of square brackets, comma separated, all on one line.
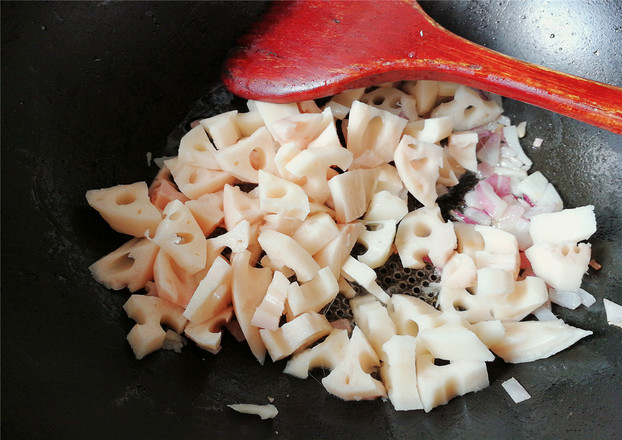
[(310, 49)]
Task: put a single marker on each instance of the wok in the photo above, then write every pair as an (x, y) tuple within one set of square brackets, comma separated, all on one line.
[(90, 87)]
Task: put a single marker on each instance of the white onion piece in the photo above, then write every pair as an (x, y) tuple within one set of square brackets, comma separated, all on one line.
[(511, 162), (477, 216), (490, 151), (614, 312), (544, 313), (504, 120), (510, 216), (565, 298), (492, 203), (521, 128), (511, 172), (268, 411), (540, 209), (515, 390), (471, 199), (524, 202), (461, 217), (537, 142), (507, 152), (484, 170), (501, 184), (510, 135), (587, 299)]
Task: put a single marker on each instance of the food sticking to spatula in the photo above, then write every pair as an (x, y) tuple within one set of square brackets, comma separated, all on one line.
[(304, 50)]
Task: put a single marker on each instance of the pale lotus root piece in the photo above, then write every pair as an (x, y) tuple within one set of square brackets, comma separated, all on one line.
[(126, 208), (131, 265), (149, 313), (373, 134), (247, 156), (418, 164), (422, 233)]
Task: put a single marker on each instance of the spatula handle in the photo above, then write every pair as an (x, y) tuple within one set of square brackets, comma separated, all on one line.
[(579, 98)]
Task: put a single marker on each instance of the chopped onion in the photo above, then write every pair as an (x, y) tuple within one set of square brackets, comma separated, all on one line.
[(511, 172), (521, 128), (510, 216), (508, 198), (490, 151), (614, 312), (539, 209), (267, 411), (486, 130), (526, 198), (524, 203), (511, 137), (492, 203), (484, 170), (461, 217), (537, 142), (501, 184), (544, 313), (587, 299), (504, 120), (515, 390), (520, 229), (565, 298), (477, 216), (471, 199), (507, 152), (511, 162)]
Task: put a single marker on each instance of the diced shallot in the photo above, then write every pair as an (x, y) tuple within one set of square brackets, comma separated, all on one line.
[(544, 313), (515, 390), (471, 199), (510, 135), (614, 312), (492, 203), (267, 411), (477, 216), (587, 299), (565, 298), (485, 170), (463, 218), (490, 151), (501, 184)]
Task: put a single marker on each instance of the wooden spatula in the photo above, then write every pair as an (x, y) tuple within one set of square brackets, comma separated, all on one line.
[(310, 49)]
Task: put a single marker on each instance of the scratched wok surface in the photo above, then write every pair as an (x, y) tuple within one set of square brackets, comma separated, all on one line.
[(88, 88)]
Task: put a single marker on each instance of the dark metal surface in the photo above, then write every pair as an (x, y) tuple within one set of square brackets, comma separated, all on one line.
[(89, 88)]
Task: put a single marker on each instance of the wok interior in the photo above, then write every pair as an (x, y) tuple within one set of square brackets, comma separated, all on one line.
[(90, 88)]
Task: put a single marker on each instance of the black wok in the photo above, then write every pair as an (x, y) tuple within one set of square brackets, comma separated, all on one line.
[(88, 88)]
